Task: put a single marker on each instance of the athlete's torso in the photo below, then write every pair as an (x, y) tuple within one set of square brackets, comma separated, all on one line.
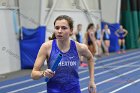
[(106, 34), (98, 34), (67, 71), (121, 33), (79, 37)]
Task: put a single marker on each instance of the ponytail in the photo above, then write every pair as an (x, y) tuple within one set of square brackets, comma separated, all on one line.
[(53, 37)]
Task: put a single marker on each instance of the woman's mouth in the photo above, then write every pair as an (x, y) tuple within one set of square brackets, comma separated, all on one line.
[(59, 36)]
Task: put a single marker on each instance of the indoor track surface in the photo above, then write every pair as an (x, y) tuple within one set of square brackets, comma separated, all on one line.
[(117, 73)]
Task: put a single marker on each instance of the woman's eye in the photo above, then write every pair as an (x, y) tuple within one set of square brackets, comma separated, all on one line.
[(57, 27), (62, 27)]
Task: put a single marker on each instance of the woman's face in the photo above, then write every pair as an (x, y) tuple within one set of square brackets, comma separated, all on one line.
[(106, 26), (121, 27), (98, 26), (91, 29), (62, 29), (79, 27)]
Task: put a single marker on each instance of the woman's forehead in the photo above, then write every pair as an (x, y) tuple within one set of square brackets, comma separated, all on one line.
[(61, 22)]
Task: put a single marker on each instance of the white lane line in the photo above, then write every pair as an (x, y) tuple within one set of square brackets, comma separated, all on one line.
[(43, 91), (119, 61), (107, 66), (97, 74), (116, 90), (27, 87), (124, 66), (84, 70), (118, 57), (87, 70), (107, 71), (13, 84), (28, 80), (107, 80)]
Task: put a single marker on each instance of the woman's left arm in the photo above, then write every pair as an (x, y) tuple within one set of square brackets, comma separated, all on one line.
[(109, 31), (84, 51), (126, 32)]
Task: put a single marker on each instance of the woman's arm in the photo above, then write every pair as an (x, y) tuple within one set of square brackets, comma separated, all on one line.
[(126, 32), (84, 51), (109, 31), (87, 54), (85, 38), (116, 33), (42, 54)]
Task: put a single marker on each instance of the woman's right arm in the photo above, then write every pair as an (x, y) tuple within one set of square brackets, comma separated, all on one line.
[(41, 57), (126, 32), (85, 38), (116, 33)]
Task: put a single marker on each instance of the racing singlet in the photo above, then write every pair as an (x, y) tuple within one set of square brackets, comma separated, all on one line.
[(106, 35), (79, 37), (121, 34), (98, 34), (66, 79)]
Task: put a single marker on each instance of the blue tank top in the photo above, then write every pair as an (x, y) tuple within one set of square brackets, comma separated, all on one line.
[(121, 33), (79, 37), (89, 40), (66, 75), (98, 34), (106, 35)]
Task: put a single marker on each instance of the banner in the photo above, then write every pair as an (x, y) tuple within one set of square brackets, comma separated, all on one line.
[(30, 45), (114, 45)]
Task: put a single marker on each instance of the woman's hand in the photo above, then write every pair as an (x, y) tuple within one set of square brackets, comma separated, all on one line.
[(92, 87), (48, 73)]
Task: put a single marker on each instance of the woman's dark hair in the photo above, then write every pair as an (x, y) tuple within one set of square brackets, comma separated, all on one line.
[(61, 17), (52, 37), (90, 25)]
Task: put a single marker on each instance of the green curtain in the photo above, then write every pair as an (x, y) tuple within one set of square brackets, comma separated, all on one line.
[(130, 19), (138, 8), (135, 22)]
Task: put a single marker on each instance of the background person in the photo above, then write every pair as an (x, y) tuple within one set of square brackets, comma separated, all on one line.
[(90, 39), (98, 39), (106, 37), (121, 34)]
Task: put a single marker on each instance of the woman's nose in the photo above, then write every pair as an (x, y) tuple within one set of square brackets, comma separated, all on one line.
[(60, 30)]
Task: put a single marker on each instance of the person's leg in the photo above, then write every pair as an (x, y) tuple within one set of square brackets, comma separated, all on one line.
[(92, 50), (119, 41), (107, 44), (123, 45), (99, 47)]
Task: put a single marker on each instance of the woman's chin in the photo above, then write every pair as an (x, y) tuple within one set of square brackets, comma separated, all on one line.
[(60, 38)]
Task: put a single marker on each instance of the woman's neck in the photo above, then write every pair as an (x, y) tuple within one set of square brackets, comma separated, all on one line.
[(64, 45)]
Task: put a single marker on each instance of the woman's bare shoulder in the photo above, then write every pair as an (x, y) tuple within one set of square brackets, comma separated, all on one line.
[(82, 49), (81, 46), (47, 44)]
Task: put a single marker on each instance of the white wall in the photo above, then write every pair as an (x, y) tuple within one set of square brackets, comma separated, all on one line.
[(68, 7), (7, 2), (110, 10), (77, 15), (30, 13), (92, 4), (9, 45)]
